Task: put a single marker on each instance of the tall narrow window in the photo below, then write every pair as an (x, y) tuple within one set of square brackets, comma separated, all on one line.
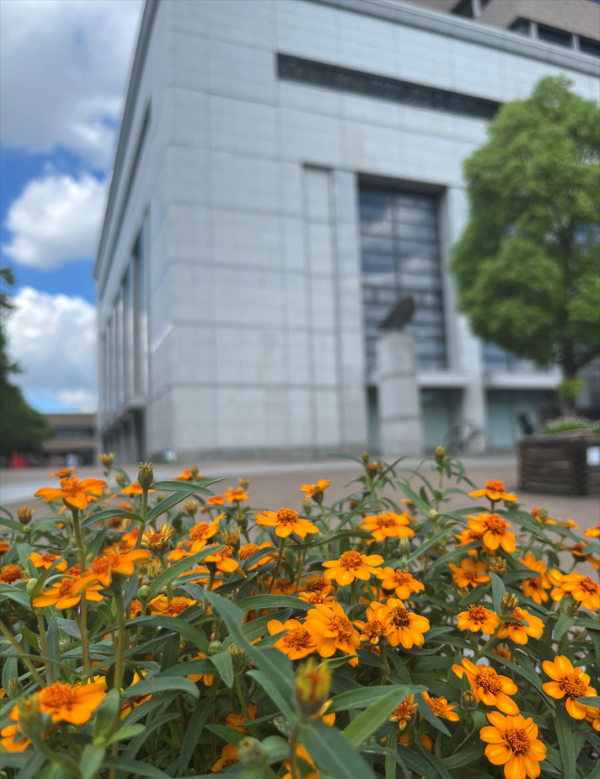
[(128, 346), (119, 351), (401, 257), (140, 315)]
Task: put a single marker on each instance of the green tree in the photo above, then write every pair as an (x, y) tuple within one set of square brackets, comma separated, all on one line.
[(528, 264), (22, 429)]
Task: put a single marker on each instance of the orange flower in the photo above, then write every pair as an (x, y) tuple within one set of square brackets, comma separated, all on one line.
[(332, 630), (229, 756), (281, 587), (76, 494), (351, 566), (237, 721), (136, 608), (404, 627), (206, 678), (72, 703), (569, 681), (11, 574), (441, 708), (137, 700), (402, 582), (317, 589), (495, 531), (4, 547), (592, 715), (534, 588), (513, 743), (593, 532), (405, 712), (503, 652), (478, 618), (157, 542), (561, 582), (112, 563), (425, 741), (201, 532), (489, 687), (467, 536), (62, 594), (519, 632), (216, 500), (170, 608), (189, 474), (223, 560), (378, 618), (585, 590), (286, 522), (470, 572), (133, 489), (236, 495), (388, 525), (315, 491), (303, 757), (13, 740), (494, 491), (247, 550), (297, 642), (64, 473)]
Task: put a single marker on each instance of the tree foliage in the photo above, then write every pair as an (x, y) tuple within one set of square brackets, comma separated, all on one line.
[(22, 429), (528, 263)]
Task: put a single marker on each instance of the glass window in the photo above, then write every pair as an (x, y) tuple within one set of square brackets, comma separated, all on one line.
[(554, 36), (140, 314), (521, 26), (128, 347), (401, 257), (589, 46)]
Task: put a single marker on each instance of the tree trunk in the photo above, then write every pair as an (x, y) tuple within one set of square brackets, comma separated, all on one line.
[(567, 403)]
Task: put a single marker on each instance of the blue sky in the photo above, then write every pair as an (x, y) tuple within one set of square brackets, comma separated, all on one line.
[(64, 66)]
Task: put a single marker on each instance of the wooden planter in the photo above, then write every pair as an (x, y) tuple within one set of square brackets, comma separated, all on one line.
[(566, 465)]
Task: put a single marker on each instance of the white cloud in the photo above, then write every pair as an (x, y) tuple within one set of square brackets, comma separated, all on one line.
[(56, 219), (64, 66), (53, 338)]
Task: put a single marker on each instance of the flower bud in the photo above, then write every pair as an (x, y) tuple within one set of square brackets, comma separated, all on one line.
[(312, 687), (160, 497), (145, 475), (107, 459), (194, 470), (433, 514), (191, 507), (365, 457), (14, 688), (179, 525), (498, 566), (31, 719), (236, 654), (215, 648), (244, 483), (241, 519), (440, 453), (508, 603), (144, 592), (307, 505), (30, 586), (374, 467), (543, 514), (251, 752), (121, 479), (64, 645), (404, 545), (468, 701), (25, 514), (573, 609)]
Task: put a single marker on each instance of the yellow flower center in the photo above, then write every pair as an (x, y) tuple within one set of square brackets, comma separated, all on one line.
[(106, 562), (287, 516), (247, 551), (58, 695), (350, 560), (496, 524), (405, 711), (517, 740), (198, 532), (315, 583), (495, 485), (65, 587), (10, 574), (478, 613), (49, 558), (315, 597), (536, 583), (342, 626), (573, 686), (372, 629), (297, 638), (437, 706), (400, 617), (589, 585), (402, 577), (386, 520), (488, 679), (176, 606)]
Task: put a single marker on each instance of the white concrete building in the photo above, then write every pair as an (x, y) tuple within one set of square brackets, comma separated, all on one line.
[(286, 171)]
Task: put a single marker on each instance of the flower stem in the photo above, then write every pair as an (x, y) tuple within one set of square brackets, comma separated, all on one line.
[(294, 770), (44, 644), (277, 567), (122, 637), (138, 542), (19, 649), (385, 662), (353, 593), (83, 602), (325, 517), (242, 700)]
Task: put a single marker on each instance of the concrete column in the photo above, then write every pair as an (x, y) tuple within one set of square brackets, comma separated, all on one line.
[(399, 403)]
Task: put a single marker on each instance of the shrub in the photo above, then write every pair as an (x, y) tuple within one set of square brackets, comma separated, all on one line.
[(161, 630), (570, 424)]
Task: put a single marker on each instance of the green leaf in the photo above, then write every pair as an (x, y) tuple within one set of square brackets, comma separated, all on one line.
[(196, 725), (135, 767), (426, 712), (425, 508), (106, 714), (420, 550), (181, 566), (273, 691), (360, 699), (12, 593), (168, 503), (152, 725), (188, 668), (591, 701), (465, 757), (91, 760), (332, 752), (177, 625), (416, 763), (498, 591), (183, 486), (569, 742), (31, 768), (129, 731), (230, 735), (375, 715), (153, 686), (100, 516), (224, 665), (260, 602), (563, 624)]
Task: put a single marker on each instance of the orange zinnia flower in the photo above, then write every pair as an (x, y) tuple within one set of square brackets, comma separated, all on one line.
[(236, 495), (503, 652), (315, 490), (402, 582), (535, 588), (76, 494), (351, 566), (62, 594), (470, 572), (282, 586), (477, 618), (223, 560), (237, 721), (286, 522), (494, 491), (441, 708), (207, 679), (593, 532), (189, 474), (170, 608), (297, 642), (585, 590), (592, 715), (247, 550), (112, 563), (519, 632), (489, 687), (569, 681), (201, 532), (64, 473), (216, 500), (494, 530), (4, 547), (388, 525), (133, 489), (513, 743), (378, 618), (229, 756), (404, 627), (561, 583), (137, 700), (332, 630), (157, 542), (405, 712), (74, 704), (11, 574), (467, 536)]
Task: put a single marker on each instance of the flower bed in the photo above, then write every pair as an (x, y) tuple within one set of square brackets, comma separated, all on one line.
[(162, 630)]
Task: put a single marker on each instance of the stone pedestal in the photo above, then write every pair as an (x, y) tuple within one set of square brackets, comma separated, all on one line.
[(398, 393)]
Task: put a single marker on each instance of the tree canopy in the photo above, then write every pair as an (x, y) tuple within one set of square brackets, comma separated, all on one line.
[(528, 263), (22, 429)]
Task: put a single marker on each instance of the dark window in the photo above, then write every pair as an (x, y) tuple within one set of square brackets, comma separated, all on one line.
[(74, 432), (521, 26), (589, 46), (464, 8), (552, 35), (400, 257)]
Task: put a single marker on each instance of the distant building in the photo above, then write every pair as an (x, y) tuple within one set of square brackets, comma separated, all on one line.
[(286, 172), (73, 439)]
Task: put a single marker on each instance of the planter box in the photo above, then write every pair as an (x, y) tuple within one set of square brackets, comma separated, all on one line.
[(563, 464)]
